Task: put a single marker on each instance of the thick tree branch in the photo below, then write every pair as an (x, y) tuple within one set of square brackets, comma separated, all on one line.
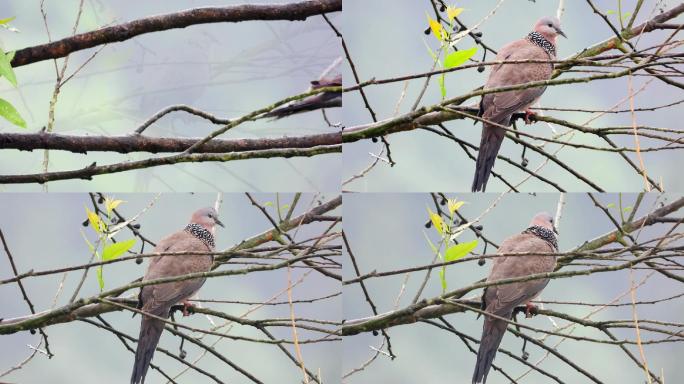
[(245, 12), (140, 143)]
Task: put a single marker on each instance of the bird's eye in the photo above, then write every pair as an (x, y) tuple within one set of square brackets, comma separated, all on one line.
[(550, 25)]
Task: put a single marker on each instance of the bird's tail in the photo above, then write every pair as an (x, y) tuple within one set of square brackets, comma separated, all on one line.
[(492, 333), (150, 332), (490, 143)]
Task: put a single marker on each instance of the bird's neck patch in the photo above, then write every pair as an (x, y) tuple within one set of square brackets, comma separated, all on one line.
[(536, 38), (201, 233), (545, 234)]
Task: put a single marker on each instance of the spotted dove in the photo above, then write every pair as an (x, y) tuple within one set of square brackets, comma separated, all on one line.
[(501, 300), (497, 108), (157, 299)]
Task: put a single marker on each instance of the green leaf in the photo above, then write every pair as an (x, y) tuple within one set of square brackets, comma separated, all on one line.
[(610, 12), (454, 59), (459, 250), (7, 20), (268, 204), (610, 205), (627, 209), (442, 87), (100, 279), (442, 278), (436, 221), (8, 111), (6, 68), (114, 250)]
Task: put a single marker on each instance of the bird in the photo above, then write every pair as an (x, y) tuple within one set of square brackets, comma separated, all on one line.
[(501, 300), (313, 102), (497, 108), (157, 299)]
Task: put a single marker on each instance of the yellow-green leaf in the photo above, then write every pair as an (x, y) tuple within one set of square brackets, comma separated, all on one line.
[(442, 86), (453, 12), (114, 250), (95, 221), (100, 279), (436, 221), (454, 59), (442, 278), (459, 250), (454, 205), (436, 28), (7, 20), (10, 113), (6, 68), (111, 204)]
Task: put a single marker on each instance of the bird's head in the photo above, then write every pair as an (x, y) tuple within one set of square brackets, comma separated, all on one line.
[(207, 218), (544, 220), (549, 27)]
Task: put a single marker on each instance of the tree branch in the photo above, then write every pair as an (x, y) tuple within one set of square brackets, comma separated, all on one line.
[(245, 12)]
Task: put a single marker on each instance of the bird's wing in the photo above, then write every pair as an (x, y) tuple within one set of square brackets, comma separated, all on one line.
[(159, 298), (498, 107), (502, 299)]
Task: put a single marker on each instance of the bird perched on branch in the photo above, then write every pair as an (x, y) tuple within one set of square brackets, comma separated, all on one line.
[(501, 300), (157, 299), (497, 108), (313, 102)]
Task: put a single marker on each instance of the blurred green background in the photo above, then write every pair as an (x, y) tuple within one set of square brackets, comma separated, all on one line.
[(385, 232), (44, 232), (385, 39), (227, 69)]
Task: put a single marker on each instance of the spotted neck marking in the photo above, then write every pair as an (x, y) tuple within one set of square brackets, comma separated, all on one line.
[(201, 234), (536, 38), (545, 234)]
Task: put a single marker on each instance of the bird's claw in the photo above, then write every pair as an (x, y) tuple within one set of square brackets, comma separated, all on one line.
[(530, 310), (530, 117), (188, 308)]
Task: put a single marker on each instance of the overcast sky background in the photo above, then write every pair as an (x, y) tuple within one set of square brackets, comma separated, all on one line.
[(227, 69), (44, 232)]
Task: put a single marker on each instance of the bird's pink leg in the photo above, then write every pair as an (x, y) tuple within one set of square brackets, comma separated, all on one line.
[(528, 114), (186, 305), (530, 309)]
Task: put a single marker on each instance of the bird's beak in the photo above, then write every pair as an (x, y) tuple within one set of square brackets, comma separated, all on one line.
[(555, 230), (217, 221), (560, 32)]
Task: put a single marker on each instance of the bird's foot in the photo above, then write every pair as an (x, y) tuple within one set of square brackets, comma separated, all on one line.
[(530, 310), (188, 308), (530, 116)]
